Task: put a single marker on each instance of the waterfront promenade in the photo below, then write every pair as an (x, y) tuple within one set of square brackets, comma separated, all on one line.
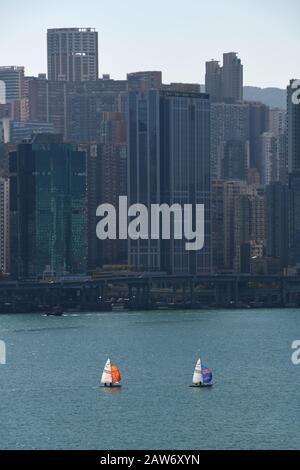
[(151, 292)]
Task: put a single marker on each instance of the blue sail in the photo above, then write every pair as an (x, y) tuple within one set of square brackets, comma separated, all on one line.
[(207, 375)]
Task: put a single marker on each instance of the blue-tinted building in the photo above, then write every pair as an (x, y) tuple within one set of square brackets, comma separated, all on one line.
[(169, 162), (48, 204)]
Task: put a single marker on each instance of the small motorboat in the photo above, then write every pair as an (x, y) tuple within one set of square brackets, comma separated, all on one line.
[(55, 312), (111, 376), (202, 377)]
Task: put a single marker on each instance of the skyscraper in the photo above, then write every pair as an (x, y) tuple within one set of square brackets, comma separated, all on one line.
[(229, 122), (276, 220), (48, 208), (169, 162), (225, 84), (232, 77), (293, 126), (4, 225), (258, 124), (294, 218), (107, 180), (72, 54), (213, 80), (13, 77)]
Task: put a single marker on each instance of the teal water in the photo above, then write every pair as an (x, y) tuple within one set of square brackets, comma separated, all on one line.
[(50, 396)]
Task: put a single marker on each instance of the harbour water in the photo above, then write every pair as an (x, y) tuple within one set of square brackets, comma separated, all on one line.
[(51, 399)]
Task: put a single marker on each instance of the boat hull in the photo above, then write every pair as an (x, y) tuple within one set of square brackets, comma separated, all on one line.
[(108, 387), (201, 386)]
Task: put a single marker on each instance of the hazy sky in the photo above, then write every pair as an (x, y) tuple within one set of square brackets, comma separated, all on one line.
[(174, 36)]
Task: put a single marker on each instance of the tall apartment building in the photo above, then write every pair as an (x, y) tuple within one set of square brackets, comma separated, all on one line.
[(229, 123), (249, 230), (213, 80), (231, 191), (232, 77), (225, 83), (274, 162), (4, 226), (72, 54), (48, 208), (75, 109), (169, 162), (277, 121), (107, 180), (13, 77)]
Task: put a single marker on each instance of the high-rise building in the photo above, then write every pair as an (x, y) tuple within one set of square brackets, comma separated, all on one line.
[(231, 191), (213, 80), (143, 81), (48, 204), (276, 222), (273, 166), (217, 220), (232, 77), (72, 54), (294, 218), (169, 162), (229, 122), (225, 84), (17, 131), (235, 163), (278, 121), (75, 109), (293, 127), (2, 92), (182, 87), (107, 180), (13, 77), (258, 124), (249, 230), (4, 225)]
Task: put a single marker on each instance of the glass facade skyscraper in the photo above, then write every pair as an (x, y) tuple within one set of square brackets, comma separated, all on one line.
[(169, 162), (48, 208)]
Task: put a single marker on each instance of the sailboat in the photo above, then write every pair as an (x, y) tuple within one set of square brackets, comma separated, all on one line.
[(111, 376), (202, 376)]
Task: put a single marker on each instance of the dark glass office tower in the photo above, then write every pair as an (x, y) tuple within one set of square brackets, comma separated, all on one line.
[(277, 222), (169, 162), (48, 208), (294, 218)]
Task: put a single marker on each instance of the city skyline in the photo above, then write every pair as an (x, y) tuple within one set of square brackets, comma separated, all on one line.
[(127, 41)]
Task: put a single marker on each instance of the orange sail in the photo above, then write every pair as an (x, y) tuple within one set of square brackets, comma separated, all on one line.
[(115, 374)]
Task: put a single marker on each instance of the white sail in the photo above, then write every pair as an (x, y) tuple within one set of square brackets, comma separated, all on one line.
[(198, 378), (106, 376)]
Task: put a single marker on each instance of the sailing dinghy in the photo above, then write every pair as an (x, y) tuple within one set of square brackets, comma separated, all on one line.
[(111, 376), (202, 376)]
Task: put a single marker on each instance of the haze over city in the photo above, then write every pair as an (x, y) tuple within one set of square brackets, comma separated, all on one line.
[(171, 36)]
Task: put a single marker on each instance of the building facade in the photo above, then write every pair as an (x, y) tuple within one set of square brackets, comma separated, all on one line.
[(72, 54), (169, 162), (13, 77), (48, 208), (4, 226)]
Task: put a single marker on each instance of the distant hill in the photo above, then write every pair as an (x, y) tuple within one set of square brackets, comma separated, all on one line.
[(273, 97)]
